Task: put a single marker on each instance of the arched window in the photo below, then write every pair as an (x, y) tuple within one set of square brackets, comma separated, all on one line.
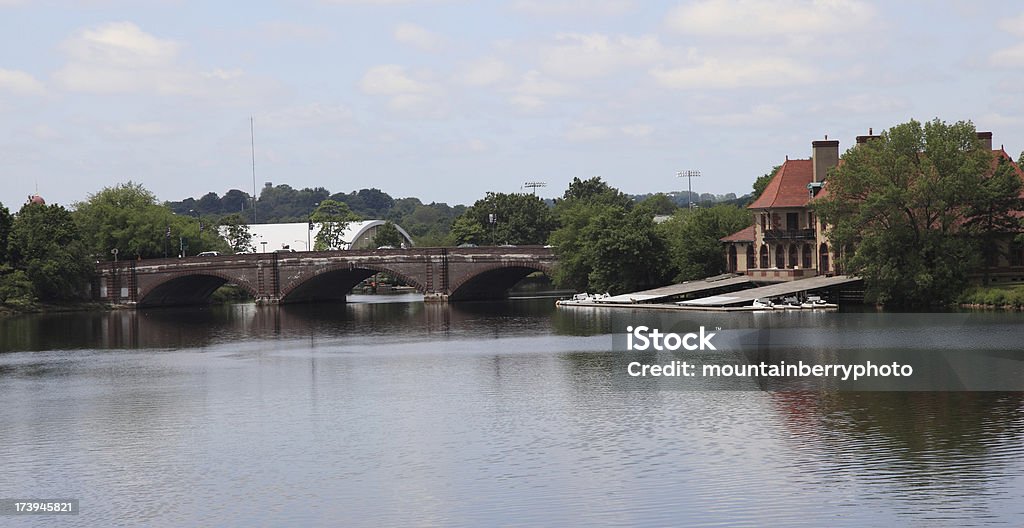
[(807, 256), (732, 257), (764, 256), (750, 257), (780, 256), (793, 258), (823, 258)]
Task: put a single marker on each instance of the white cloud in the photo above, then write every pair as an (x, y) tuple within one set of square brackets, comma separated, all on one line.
[(758, 115), (138, 130), (757, 18), (484, 72), (121, 43), (534, 89), (419, 37), (584, 131), (306, 115), (579, 55), (580, 132), (637, 130), (19, 83), (574, 7), (1013, 25), (736, 73), (1008, 57), (45, 133), (390, 79), (119, 57), (407, 95), (281, 30)]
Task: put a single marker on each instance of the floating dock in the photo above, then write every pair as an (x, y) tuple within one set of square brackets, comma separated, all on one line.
[(732, 301)]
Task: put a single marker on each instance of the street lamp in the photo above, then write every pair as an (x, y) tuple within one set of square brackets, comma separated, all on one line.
[(302, 242), (492, 218)]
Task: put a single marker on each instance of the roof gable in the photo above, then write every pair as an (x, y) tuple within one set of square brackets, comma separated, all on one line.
[(788, 187)]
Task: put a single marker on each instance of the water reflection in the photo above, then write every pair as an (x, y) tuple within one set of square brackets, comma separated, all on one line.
[(467, 415)]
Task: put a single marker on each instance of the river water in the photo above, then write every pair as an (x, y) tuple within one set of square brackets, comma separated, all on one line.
[(399, 413)]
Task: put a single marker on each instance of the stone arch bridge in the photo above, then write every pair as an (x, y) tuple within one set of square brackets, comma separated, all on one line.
[(441, 274)]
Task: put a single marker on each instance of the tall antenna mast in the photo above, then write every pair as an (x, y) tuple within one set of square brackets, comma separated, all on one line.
[(689, 175), (252, 145), (534, 184)]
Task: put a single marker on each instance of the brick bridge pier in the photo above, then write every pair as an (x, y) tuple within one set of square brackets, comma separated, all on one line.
[(441, 274)]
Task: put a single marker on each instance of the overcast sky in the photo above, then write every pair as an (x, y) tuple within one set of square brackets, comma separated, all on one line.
[(445, 100)]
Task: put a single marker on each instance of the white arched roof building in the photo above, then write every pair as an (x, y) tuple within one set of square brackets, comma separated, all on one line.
[(358, 235)]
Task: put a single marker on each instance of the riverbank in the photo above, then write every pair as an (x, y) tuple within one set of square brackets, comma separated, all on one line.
[(1002, 297), (10, 310)]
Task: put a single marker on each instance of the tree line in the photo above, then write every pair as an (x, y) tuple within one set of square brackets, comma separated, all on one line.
[(913, 212)]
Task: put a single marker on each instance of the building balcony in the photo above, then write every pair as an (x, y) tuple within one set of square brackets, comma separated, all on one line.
[(789, 234), (780, 275)]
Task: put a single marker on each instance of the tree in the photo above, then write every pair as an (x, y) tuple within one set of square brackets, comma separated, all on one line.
[(237, 234), (6, 220), (594, 190), (658, 204), (761, 183), (623, 252), (466, 230), (906, 210), (388, 235), (333, 218), (693, 239), (605, 245), (127, 217), (45, 243), (517, 219)]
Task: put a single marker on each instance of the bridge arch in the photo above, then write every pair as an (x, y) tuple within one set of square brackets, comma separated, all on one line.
[(494, 281), (333, 282), (188, 287)]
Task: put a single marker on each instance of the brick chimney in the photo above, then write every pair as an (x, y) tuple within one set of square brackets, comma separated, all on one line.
[(864, 139), (986, 140), (824, 156)]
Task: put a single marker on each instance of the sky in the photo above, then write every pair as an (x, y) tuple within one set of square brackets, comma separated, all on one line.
[(446, 100)]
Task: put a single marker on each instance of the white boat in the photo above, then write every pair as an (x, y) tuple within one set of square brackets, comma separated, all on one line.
[(816, 302), (763, 304), (584, 298), (790, 303)]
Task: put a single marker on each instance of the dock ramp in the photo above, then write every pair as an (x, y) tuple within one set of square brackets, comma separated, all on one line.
[(695, 287), (773, 291)]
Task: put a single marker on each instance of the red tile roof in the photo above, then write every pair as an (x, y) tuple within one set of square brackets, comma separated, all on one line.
[(743, 235), (788, 188)]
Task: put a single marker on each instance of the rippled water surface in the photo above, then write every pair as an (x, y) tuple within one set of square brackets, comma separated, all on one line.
[(400, 413)]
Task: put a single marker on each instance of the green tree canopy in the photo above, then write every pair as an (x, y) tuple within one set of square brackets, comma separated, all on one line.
[(762, 182), (388, 235), (908, 210), (604, 244), (127, 217), (518, 219), (45, 243), (237, 234), (693, 239), (333, 218), (594, 191), (658, 204), (6, 221)]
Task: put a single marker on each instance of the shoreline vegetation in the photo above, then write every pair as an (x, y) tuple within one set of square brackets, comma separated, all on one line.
[(1002, 297)]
